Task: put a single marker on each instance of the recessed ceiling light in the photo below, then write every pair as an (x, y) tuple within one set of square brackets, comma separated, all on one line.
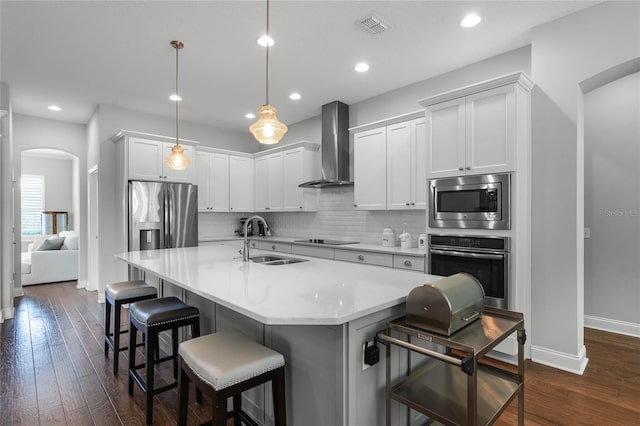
[(471, 20), (54, 108), (175, 98), (295, 96), (264, 40), (361, 67), (250, 115)]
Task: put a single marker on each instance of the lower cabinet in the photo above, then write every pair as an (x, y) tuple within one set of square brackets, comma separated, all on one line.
[(369, 258)]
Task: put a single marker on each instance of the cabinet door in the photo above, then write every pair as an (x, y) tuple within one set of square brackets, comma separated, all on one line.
[(276, 182), (262, 184), (180, 176), (370, 169), (202, 179), (491, 131), (445, 138), (241, 175), (418, 165), (293, 176), (219, 181), (145, 159), (399, 163)]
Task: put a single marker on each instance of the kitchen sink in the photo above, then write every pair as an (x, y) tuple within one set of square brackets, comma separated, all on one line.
[(275, 260)]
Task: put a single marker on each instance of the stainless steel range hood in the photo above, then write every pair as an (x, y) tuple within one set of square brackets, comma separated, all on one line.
[(334, 148)]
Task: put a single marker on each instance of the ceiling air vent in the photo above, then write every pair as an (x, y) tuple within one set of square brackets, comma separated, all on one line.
[(373, 24)]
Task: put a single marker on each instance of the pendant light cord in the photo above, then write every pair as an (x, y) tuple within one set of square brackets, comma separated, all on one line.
[(267, 67), (177, 95)]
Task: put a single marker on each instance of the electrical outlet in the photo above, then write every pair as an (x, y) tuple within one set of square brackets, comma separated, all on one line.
[(364, 345), (587, 232)]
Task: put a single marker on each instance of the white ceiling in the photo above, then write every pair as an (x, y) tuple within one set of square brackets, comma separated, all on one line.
[(78, 54)]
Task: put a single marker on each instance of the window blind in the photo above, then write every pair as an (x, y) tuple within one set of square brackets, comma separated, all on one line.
[(32, 204)]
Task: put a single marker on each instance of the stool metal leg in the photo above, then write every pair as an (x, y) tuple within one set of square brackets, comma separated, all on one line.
[(152, 341), (116, 335), (133, 333), (183, 395), (277, 388), (107, 326)]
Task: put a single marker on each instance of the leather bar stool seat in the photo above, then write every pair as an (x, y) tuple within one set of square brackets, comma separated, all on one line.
[(152, 317), (116, 295), (223, 365)]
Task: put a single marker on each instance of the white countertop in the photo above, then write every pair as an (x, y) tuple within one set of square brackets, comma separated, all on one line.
[(317, 292)]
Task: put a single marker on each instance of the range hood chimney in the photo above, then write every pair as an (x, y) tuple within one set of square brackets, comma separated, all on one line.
[(334, 148)]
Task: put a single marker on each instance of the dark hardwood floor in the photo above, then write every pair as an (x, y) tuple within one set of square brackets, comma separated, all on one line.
[(53, 371)]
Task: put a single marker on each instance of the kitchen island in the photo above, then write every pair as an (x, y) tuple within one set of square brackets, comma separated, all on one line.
[(317, 313)]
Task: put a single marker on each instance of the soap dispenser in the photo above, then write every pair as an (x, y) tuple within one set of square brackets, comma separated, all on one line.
[(388, 237)]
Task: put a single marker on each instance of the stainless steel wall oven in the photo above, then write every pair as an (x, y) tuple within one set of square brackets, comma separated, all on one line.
[(470, 202), (484, 257)]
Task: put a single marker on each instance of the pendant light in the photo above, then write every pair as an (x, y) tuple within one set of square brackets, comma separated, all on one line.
[(177, 160), (268, 129)]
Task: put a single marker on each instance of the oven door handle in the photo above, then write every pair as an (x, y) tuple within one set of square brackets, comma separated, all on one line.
[(467, 254)]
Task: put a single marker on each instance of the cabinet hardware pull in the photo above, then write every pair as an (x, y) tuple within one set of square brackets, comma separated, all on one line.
[(461, 168), (355, 205), (360, 257), (413, 204), (407, 263), (273, 247), (468, 167), (407, 204)]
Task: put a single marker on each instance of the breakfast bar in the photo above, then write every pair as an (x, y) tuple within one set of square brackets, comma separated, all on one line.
[(318, 313)]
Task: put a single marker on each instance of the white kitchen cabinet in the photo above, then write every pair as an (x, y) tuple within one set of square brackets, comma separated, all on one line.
[(269, 181), (475, 130), (369, 258), (300, 165), (406, 157), (370, 169), (146, 161), (212, 178), (241, 184)]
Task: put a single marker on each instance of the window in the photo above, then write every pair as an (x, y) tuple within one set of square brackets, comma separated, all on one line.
[(32, 204)]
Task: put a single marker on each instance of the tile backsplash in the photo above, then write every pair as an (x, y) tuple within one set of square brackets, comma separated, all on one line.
[(335, 219)]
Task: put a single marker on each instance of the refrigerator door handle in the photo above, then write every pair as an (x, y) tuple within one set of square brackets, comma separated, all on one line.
[(167, 218)]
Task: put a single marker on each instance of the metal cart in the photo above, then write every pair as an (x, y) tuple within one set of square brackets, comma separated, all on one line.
[(459, 388)]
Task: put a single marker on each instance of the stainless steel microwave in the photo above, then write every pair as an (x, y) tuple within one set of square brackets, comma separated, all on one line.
[(470, 202)]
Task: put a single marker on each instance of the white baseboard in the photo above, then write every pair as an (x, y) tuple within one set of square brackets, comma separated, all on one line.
[(82, 284), (7, 313), (101, 298), (561, 360), (613, 326), (18, 291)]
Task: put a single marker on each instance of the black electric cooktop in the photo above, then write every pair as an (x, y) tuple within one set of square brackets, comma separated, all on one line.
[(324, 241)]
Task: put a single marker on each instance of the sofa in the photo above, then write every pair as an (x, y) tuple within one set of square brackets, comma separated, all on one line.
[(51, 258)]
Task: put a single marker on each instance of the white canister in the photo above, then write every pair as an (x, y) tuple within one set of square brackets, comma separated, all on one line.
[(405, 240), (388, 237), (422, 242)]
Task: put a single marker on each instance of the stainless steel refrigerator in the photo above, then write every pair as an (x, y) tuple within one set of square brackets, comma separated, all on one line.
[(162, 215)]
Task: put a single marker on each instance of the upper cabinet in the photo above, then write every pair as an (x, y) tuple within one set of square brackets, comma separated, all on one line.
[(241, 184), (389, 166), (406, 183), (279, 171), (212, 178), (370, 169), (477, 129), (146, 161)]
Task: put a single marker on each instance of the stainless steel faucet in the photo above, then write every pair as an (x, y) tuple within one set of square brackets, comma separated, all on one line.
[(245, 246)]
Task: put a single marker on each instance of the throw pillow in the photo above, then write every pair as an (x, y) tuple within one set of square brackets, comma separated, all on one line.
[(52, 243), (70, 240)]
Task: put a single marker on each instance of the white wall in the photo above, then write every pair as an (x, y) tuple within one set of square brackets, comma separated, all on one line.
[(612, 201), (7, 248), (58, 181), (566, 52)]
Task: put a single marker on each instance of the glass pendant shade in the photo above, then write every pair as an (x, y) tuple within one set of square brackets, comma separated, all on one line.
[(268, 129), (177, 160)]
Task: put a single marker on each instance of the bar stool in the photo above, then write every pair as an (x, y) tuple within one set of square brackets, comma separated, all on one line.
[(224, 365), (116, 295), (152, 317)]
